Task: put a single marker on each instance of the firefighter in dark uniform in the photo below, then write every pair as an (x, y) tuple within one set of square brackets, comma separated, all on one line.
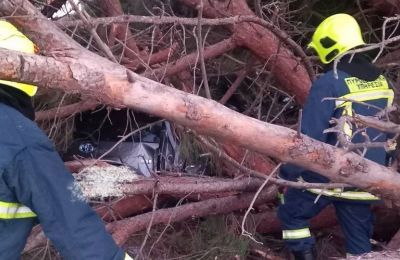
[(357, 80), (34, 184)]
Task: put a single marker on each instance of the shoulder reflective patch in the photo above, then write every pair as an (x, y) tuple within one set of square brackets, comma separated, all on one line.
[(355, 84)]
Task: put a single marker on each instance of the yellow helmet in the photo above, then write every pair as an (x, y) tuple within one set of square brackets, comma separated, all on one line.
[(11, 38), (335, 35)]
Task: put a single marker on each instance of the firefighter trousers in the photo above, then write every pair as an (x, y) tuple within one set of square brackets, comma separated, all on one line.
[(299, 206)]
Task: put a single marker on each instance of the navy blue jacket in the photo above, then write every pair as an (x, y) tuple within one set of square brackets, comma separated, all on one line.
[(32, 173), (317, 114)]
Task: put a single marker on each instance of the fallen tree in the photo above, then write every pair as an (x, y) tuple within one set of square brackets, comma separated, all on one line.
[(74, 69)]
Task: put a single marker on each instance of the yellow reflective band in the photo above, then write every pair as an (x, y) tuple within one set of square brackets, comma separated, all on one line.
[(391, 145), (348, 128), (10, 210), (351, 195), (365, 96), (357, 85), (127, 257), (296, 233), (281, 198), (362, 96), (390, 100)]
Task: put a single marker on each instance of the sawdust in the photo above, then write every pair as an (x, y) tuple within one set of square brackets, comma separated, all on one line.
[(101, 182)]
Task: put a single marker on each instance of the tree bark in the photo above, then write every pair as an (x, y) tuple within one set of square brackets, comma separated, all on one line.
[(190, 185), (125, 207), (252, 160)]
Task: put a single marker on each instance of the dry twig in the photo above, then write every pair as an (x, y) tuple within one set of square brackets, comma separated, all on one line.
[(244, 232)]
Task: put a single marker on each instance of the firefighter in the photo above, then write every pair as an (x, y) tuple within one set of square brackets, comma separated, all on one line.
[(357, 80), (35, 187)]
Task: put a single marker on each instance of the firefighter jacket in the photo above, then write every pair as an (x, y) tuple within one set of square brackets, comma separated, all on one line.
[(359, 81), (36, 187)]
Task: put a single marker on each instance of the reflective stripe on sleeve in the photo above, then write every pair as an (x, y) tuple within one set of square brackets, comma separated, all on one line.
[(11, 210), (127, 257), (296, 233), (348, 128)]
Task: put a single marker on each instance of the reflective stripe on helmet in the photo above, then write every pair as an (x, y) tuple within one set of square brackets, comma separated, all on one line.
[(11, 210), (296, 233)]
